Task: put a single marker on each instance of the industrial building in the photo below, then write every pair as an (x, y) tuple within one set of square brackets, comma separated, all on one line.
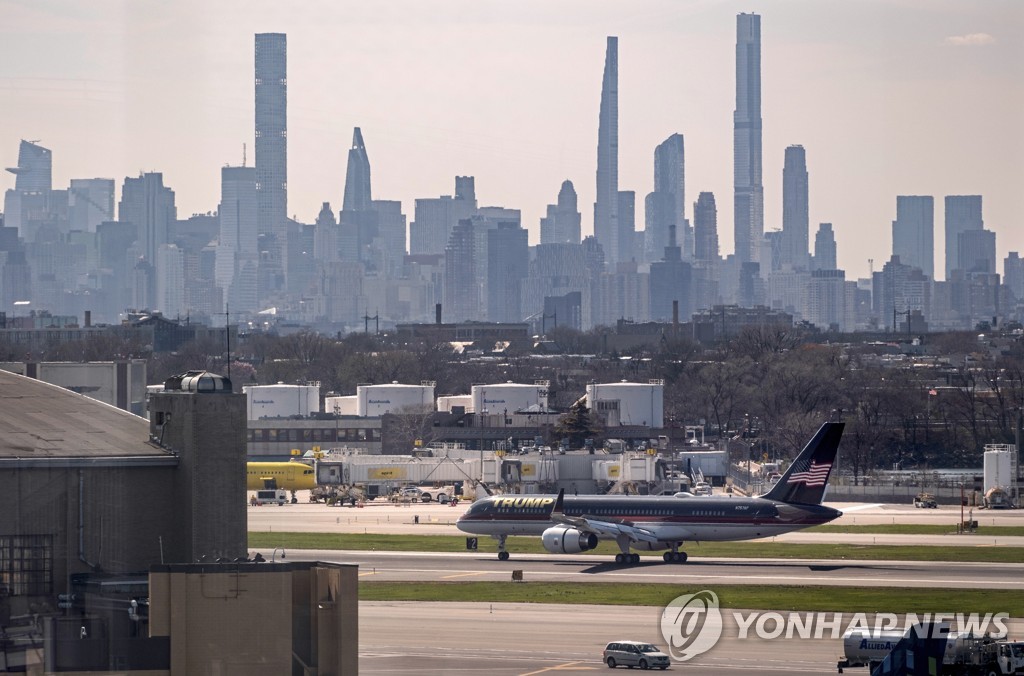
[(118, 383), (96, 497)]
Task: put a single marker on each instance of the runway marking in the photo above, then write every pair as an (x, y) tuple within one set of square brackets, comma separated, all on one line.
[(370, 572), (568, 666), (448, 577)]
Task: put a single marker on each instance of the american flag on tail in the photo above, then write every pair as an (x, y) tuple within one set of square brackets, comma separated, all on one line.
[(810, 473)]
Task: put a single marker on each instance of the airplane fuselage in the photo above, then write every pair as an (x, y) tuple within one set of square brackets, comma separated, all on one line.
[(291, 476), (670, 518)]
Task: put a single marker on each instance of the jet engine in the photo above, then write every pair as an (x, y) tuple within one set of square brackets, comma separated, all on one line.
[(566, 540)]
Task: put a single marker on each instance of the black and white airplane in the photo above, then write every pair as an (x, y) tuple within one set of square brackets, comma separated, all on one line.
[(574, 524)]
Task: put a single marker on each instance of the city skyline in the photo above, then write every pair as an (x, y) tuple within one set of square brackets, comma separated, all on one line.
[(942, 80)]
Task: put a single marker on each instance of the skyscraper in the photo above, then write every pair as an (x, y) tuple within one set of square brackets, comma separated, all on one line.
[(913, 232), (562, 223), (666, 205), (705, 227), (357, 220), (357, 177), (748, 191), (237, 251), (825, 248), (34, 172), (963, 213), (90, 202), (272, 155), (606, 220), (795, 218), (148, 204)]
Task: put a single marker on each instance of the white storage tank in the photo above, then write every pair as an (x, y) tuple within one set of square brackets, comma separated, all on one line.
[(376, 400), (626, 403), (447, 403), (281, 401), (508, 398), (998, 469), (340, 405)]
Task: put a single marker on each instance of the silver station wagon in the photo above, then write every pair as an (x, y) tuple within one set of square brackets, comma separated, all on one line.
[(634, 654)]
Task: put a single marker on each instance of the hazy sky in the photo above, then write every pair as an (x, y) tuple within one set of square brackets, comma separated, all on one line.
[(887, 97)]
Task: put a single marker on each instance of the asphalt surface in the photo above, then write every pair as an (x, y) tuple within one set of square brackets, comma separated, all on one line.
[(484, 567), (505, 639)]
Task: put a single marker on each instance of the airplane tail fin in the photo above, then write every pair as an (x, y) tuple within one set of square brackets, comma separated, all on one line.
[(557, 510), (805, 480)]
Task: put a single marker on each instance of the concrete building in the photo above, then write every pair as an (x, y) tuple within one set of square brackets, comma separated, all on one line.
[(271, 68), (96, 496), (237, 253)]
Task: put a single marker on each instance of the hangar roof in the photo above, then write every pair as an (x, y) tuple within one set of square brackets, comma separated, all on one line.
[(43, 421)]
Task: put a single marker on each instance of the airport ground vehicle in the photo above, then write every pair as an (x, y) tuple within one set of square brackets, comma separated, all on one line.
[(634, 654), (273, 496), (925, 500), (963, 654)]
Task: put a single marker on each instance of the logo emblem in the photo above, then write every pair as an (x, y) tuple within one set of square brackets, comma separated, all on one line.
[(691, 624)]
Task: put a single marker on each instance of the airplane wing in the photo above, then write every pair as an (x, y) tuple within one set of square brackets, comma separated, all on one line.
[(600, 527)]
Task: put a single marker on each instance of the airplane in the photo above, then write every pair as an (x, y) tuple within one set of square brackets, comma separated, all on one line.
[(291, 476), (575, 524)]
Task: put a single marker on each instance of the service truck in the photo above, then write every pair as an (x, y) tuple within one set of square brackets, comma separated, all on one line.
[(965, 654)]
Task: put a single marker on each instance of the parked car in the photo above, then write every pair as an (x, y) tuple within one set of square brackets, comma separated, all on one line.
[(634, 654)]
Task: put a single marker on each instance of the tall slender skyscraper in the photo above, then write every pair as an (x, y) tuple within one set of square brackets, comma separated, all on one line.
[(913, 232), (666, 206), (272, 156), (795, 218), (963, 213), (748, 191), (606, 219)]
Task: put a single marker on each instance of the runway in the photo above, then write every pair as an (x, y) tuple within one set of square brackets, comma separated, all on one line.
[(450, 567)]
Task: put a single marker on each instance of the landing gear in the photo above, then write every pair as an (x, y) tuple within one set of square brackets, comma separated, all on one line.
[(674, 556), (502, 554), (627, 558)]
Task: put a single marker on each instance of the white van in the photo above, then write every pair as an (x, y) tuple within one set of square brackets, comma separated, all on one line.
[(277, 496)]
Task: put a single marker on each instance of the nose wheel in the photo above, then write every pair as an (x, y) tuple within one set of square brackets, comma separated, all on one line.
[(502, 553)]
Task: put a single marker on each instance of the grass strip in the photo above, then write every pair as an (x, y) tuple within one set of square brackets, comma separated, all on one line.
[(783, 598), (980, 553), (916, 529)]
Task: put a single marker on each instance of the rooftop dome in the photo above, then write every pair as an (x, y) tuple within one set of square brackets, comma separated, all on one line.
[(199, 381)]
